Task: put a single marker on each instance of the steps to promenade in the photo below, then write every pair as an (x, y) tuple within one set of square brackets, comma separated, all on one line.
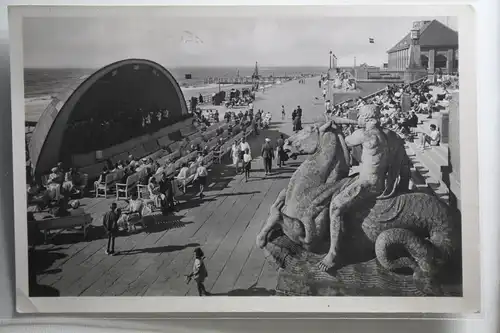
[(430, 164), (427, 168)]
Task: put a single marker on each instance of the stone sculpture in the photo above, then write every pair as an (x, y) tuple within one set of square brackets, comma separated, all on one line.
[(419, 223)]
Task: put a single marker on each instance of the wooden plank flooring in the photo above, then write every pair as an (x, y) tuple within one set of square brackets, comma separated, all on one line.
[(155, 262), (225, 224)]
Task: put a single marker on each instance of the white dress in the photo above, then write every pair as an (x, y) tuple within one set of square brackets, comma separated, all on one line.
[(235, 150)]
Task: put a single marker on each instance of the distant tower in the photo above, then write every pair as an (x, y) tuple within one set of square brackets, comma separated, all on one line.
[(256, 71)]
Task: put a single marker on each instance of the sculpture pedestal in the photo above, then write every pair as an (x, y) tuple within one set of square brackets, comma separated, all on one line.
[(413, 74), (361, 275)]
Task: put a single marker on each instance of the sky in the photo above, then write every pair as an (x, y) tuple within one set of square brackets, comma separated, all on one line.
[(185, 42)]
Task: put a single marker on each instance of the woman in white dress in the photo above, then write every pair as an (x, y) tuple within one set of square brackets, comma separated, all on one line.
[(54, 184), (68, 181), (154, 192), (235, 153)]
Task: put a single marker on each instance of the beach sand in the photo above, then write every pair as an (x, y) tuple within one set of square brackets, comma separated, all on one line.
[(34, 106)]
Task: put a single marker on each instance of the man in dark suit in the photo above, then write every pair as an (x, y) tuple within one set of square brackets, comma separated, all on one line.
[(267, 155), (294, 115), (110, 222), (167, 189), (299, 120)]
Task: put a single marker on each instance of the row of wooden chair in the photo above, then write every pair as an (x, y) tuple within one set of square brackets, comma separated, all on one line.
[(124, 190)]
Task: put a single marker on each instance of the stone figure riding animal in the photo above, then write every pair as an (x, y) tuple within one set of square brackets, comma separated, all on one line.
[(418, 222)]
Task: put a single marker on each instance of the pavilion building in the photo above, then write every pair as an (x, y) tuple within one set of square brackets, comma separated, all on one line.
[(438, 49)]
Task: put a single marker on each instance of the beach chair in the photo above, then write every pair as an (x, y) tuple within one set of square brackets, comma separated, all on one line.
[(123, 190), (101, 189), (184, 182), (142, 191), (170, 171)]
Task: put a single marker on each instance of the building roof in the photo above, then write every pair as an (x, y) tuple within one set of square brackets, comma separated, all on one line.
[(432, 34)]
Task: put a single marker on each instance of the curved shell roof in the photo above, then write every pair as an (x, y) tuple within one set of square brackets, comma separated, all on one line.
[(46, 139)]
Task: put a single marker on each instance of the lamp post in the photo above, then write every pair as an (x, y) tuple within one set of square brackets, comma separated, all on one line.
[(415, 61), (413, 69), (331, 59)]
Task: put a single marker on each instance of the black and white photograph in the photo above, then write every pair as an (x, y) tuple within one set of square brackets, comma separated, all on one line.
[(270, 156)]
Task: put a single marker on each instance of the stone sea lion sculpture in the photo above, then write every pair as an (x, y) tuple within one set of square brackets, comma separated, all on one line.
[(419, 223)]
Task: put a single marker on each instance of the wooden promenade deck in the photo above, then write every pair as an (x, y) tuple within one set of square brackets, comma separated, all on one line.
[(225, 224)]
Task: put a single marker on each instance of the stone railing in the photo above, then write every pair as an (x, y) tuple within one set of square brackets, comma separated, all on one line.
[(379, 92), (451, 176)]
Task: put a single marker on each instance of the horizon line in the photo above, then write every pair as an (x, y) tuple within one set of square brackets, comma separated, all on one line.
[(198, 66)]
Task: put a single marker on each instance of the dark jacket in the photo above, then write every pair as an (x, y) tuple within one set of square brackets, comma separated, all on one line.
[(110, 221), (280, 143), (267, 151)]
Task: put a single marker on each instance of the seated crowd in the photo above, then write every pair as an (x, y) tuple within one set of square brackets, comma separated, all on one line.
[(393, 117), (163, 178)]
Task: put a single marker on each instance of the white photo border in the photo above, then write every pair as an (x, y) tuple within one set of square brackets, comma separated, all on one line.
[(468, 304)]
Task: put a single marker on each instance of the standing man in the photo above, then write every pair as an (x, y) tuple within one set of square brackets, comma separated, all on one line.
[(324, 93), (244, 145), (167, 189), (319, 83), (267, 155), (327, 108), (282, 112), (280, 143), (327, 105), (299, 120), (110, 223), (255, 125)]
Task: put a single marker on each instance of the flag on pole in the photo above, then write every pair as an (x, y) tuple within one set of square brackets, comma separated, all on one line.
[(371, 40)]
